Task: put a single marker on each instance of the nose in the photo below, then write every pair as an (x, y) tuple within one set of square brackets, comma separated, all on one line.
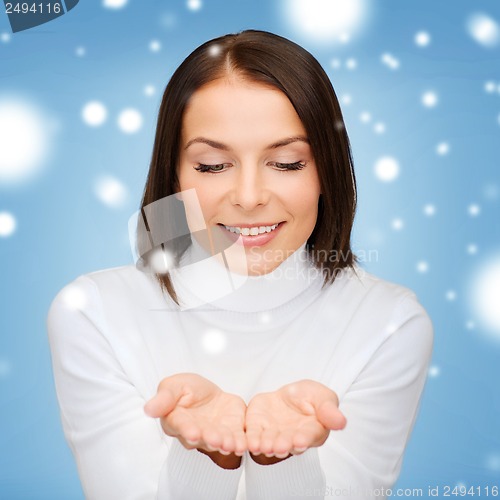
[(249, 190)]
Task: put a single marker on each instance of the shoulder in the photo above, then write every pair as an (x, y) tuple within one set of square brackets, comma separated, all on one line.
[(93, 293), (120, 281), (368, 291), (377, 306)]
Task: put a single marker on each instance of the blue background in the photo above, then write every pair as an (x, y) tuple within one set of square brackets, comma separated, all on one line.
[(64, 230)]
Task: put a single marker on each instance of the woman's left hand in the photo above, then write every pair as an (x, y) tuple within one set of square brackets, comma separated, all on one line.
[(290, 420)]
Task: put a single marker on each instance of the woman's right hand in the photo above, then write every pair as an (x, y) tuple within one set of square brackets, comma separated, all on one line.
[(200, 415)]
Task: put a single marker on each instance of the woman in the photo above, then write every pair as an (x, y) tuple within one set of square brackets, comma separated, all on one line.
[(226, 363)]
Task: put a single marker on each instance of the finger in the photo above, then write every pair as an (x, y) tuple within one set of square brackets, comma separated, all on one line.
[(164, 401), (309, 435), (212, 437), (228, 443), (240, 443), (267, 441), (190, 432), (253, 435), (187, 445), (283, 445), (329, 415)]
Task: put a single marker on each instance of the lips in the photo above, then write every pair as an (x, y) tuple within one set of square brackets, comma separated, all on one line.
[(256, 234)]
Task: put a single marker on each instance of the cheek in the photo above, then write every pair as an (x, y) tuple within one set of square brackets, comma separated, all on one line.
[(207, 197), (302, 197)]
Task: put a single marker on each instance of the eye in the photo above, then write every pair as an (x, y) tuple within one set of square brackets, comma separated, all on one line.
[(220, 167), (298, 165)]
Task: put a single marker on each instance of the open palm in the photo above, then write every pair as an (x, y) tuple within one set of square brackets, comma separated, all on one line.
[(200, 414), (292, 419)]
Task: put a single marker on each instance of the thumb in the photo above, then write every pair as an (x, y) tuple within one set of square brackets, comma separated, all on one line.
[(329, 415), (164, 401)]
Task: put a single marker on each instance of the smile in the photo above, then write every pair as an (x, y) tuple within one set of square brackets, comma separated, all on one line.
[(251, 231)]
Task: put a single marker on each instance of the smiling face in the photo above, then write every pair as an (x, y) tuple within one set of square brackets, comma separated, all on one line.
[(245, 152)]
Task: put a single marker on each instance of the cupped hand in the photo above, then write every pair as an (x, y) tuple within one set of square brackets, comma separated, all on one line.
[(199, 414), (292, 419)]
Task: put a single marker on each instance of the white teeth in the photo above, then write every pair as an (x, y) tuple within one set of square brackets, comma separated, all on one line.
[(251, 231)]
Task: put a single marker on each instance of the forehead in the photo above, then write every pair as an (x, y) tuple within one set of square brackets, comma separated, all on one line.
[(240, 112)]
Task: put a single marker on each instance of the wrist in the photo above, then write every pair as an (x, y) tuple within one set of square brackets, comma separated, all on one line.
[(230, 461), (263, 460)]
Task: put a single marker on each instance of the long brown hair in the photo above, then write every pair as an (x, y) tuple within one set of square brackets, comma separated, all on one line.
[(267, 58)]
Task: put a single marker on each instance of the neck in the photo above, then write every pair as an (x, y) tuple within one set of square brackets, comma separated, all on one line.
[(203, 279)]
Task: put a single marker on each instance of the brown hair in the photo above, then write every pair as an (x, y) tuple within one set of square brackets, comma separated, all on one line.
[(270, 59)]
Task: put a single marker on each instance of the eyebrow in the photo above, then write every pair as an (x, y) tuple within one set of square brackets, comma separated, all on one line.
[(224, 147)]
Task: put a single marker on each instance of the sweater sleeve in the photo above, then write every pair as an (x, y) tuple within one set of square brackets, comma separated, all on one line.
[(120, 452), (381, 405)]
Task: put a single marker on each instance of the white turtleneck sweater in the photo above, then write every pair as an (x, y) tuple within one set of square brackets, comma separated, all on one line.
[(114, 336)]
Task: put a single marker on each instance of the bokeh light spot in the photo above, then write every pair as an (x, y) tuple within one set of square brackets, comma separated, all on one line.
[(365, 117), (24, 140), (110, 191), (490, 87), (397, 224), (94, 113), (422, 39), (483, 29), (161, 261), (8, 224), (114, 4), (74, 297), (130, 121), (155, 46), (429, 210), (390, 61), (474, 209), (443, 148), (214, 341), (149, 90), (422, 267), (430, 99), (472, 249), (326, 21), (387, 169), (194, 5), (335, 63), (346, 99), (485, 293), (5, 368), (351, 63), (492, 462)]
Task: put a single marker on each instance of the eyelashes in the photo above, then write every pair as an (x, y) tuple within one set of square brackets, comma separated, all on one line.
[(221, 167)]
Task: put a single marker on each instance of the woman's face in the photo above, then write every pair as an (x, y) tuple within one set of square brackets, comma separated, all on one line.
[(246, 153)]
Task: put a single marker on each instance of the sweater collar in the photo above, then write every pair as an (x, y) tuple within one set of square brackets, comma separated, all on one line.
[(202, 280)]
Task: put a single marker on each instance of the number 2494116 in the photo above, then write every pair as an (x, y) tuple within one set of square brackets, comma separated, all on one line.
[(471, 491), (32, 8)]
